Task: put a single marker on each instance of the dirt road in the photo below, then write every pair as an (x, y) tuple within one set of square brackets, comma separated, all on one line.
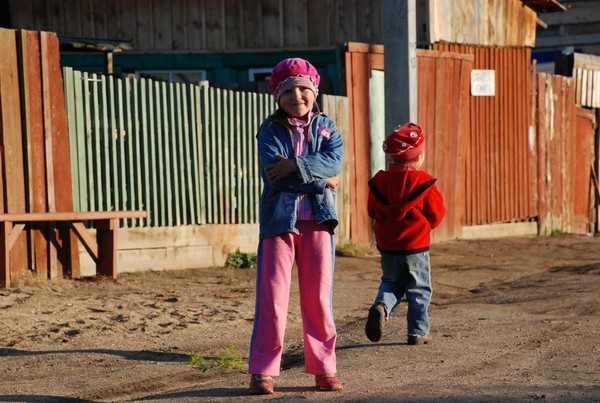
[(513, 319)]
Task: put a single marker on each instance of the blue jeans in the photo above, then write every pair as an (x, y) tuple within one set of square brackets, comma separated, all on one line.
[(408, 276)]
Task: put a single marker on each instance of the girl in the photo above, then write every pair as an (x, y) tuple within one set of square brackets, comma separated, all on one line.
[(300, 152)]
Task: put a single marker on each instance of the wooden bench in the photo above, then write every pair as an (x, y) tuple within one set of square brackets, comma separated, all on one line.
[(103, 249)]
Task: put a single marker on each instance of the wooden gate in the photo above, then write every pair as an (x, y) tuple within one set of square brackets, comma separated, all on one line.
[(443, 93), (500, 175), (565, 155)]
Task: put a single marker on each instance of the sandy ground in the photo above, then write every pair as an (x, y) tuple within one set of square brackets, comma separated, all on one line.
[(513, 319)]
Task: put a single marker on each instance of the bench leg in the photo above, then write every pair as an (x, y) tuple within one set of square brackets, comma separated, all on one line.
[(107, 248), (5, 228)]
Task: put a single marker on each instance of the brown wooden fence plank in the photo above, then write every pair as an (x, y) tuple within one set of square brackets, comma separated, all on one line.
[(543, 174), (482, 153), (555, 158), (496, 198), (336, 107), (505, 148), (472, 166), (443, 96), (533, 143), (11, 142), (567, 145), (558, 135), (525, 116), (426, 98), (440, 144), (515, 205), (359, 159), (478, 107), (447, 140), (559, 149), (426, 67), (2, 164), (490, 208), (361, 154), (34, 139), (55, 269), (462, 125), (57, 150), (582, 195)]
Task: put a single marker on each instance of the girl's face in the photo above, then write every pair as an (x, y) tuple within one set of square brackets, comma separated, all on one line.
[(297, 102)]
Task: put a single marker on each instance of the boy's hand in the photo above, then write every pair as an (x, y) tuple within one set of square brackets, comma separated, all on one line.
[(279, 170), (332, 182)]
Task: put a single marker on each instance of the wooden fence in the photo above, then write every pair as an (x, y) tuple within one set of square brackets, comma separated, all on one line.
[(34, 177), (565, 156), (500, 177), (443, 84), (509, 140), (586, 73), (184, 153), (207, 25)]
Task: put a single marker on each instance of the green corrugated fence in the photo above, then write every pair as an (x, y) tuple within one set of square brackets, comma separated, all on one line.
[(184, 153)]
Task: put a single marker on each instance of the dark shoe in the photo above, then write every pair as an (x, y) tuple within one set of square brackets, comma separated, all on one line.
[(375, 322), (414, 339), (261, 385), (328, 382)]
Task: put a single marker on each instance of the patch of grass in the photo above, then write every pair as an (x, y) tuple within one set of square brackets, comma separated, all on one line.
[(33, 279), (241, 260), (225, 359), (558, 232), (352, 250)]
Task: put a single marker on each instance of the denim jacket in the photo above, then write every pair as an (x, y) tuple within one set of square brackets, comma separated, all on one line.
[(279, 200)]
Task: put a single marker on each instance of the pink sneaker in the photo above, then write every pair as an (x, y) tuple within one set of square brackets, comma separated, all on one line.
[(328, 382), (261, 385)]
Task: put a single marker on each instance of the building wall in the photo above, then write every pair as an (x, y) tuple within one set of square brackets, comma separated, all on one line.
[(577, 27), (231, 25), (206, 25), (482, 22)]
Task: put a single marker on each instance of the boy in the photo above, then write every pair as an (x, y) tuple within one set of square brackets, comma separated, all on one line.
[(406, 205)]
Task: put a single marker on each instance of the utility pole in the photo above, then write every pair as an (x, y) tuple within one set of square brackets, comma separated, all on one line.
[(400, 62)]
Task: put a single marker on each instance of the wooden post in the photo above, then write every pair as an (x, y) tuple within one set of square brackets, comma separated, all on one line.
[(107, 248), (5, 228), (400, 62)]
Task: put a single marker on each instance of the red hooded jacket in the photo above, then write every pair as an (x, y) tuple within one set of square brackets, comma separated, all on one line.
[(406, 205)]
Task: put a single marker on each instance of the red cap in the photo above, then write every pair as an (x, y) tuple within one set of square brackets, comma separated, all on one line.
[(406, 142), (292, 72)]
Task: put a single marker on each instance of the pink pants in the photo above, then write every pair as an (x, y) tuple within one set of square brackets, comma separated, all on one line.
[(312, 250)]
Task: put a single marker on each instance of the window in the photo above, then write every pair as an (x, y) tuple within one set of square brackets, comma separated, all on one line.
[(259, 74), (173, 76)]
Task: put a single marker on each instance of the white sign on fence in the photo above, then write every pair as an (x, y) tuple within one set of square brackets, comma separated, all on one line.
[(483, 83)]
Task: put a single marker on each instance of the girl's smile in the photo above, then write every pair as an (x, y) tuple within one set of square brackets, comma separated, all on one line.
[(297, 101)]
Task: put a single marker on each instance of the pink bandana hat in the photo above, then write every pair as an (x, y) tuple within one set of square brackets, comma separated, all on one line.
[(293, 72)]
